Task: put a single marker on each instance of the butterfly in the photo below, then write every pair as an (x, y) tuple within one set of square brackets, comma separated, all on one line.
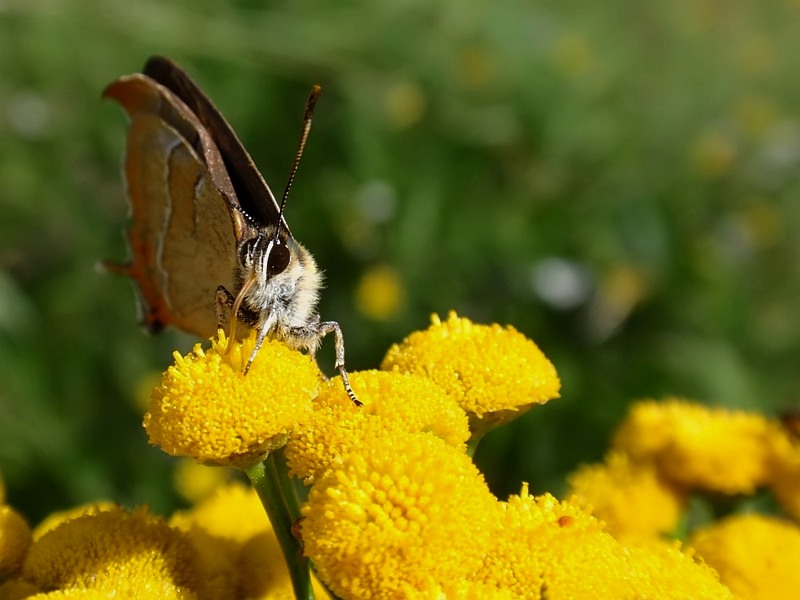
[(209, 241)]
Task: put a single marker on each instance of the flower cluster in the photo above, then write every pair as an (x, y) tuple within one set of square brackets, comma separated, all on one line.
[(395, 506), (671, 456)]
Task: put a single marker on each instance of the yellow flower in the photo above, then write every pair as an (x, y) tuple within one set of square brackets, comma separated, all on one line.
[(95, 594), (631, 498), (717, 449), (55, 519), (785, 480), (661, 569), (207, 408), (15, 537), (91, 594), (195, 481), (713, 153), (404, 512), (390, 400), (218, 528), (263, 574), (495, 373), (115, 551), (379, 294), (519, 554), (755, 555), (556, 550)]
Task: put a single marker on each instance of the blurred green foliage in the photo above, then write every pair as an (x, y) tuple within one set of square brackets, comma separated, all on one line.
[(618, 180)]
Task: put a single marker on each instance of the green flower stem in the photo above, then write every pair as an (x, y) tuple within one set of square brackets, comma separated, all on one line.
[(287, 485), (277, 500)]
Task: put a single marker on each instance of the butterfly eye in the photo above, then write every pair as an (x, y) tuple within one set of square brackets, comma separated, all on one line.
[(278, 260)]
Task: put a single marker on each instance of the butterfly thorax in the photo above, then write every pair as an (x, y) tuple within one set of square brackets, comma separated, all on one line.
[(285, 287)]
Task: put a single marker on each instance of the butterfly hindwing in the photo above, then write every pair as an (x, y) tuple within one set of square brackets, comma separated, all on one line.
[(186, 223)]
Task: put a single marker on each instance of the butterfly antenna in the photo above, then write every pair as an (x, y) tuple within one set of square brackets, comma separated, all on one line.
[(309, 114)]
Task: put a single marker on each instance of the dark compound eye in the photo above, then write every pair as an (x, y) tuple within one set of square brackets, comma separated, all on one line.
[(279, 258)]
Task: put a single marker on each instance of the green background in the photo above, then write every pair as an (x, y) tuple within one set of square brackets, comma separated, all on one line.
[(618, 180)]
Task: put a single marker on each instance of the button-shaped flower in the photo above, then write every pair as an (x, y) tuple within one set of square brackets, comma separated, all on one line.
[(495, 373), (118, 552), (755, 555), (630, 497), (694, 445), (208, 408), (403, 513), (390, 400)]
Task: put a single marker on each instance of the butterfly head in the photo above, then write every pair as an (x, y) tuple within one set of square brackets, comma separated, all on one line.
[(265, 256), (279, 280)]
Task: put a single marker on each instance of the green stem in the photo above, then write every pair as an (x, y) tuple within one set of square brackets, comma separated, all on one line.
[(287, 485), (472, 444), (277, 500)]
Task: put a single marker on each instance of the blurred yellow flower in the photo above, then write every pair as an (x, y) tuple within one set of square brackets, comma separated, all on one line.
[(207, 407), (403, 514), (380, 293), (233, 513), (756, 556), (573, 54), (713, 152), (631, 498), (404, 103), (390, 400), (696, 446), (118, 552), (218, 528), (785, 481), (55, 519), (195, 481), (495, 373), (755, 115), (262, 572), (15, 538), (91, 594)]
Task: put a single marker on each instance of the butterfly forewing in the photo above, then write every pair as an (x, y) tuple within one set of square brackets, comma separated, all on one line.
[(253, 193)]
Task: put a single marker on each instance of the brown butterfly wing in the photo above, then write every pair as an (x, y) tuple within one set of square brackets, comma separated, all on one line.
[(186, 222), (253, 193)]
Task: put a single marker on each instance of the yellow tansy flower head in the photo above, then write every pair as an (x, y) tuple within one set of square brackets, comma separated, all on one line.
[(55, 519), (630, 497), (115, 551), (404, 512), (517, 556), (207, 407), (219, 526), (495, 373), (15, 537), (717, 449), (785, 479), (556, 550), (262, 572), (756, 556), (195, 481), (390, 400)]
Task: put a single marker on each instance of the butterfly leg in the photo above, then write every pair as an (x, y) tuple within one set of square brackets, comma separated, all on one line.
[(324, 329)]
